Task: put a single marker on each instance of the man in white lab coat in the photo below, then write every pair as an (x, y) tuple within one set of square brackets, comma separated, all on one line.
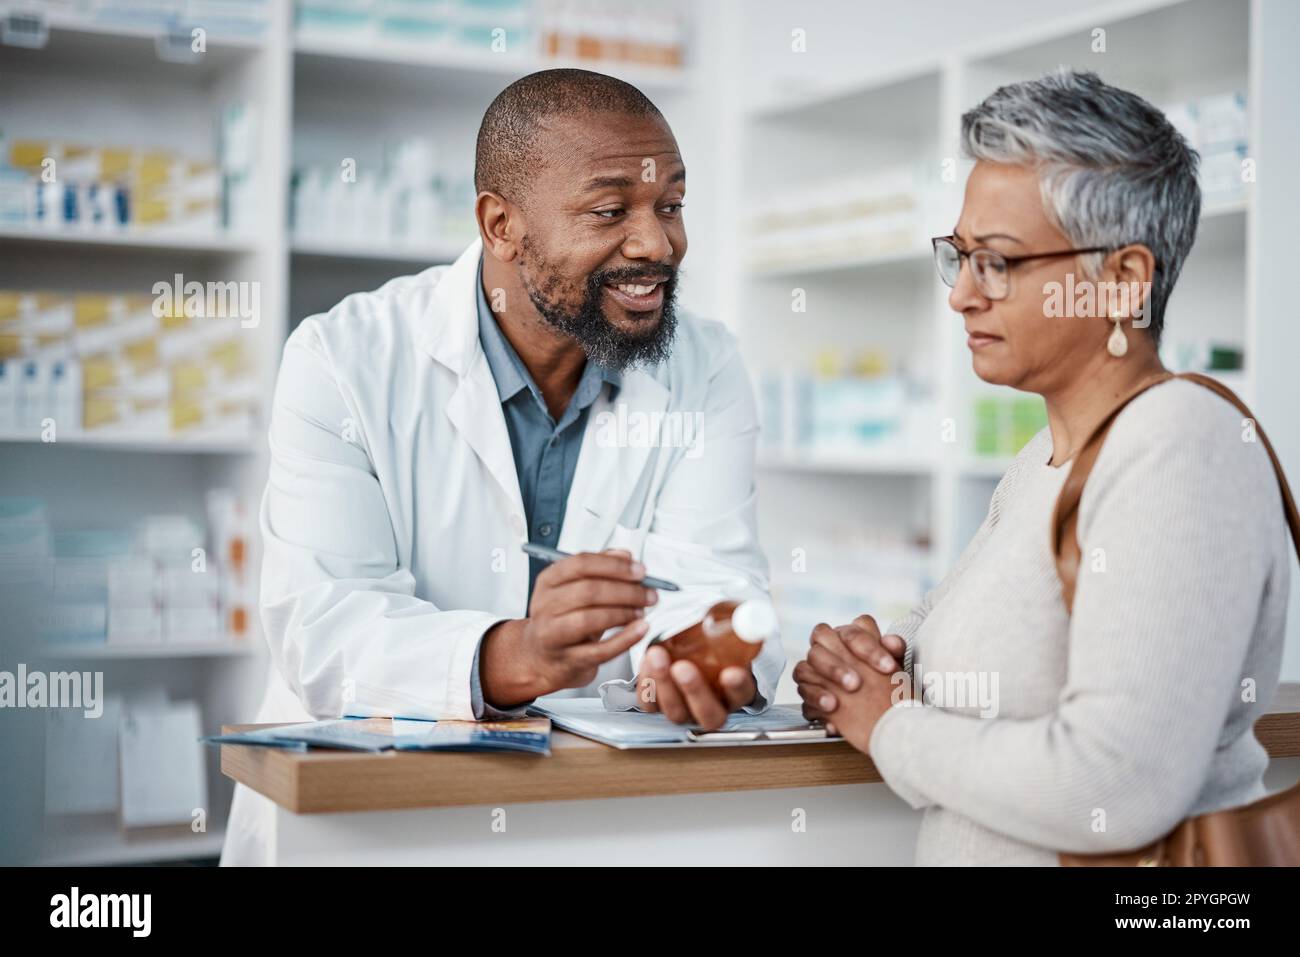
[(540, 388)]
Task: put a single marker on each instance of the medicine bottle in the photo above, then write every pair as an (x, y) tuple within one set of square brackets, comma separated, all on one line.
[(730, 635)]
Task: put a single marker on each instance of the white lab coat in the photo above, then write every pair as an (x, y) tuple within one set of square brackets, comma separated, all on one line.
[(392, 516)]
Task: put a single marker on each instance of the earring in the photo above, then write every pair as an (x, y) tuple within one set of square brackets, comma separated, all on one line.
[(1117, 344)]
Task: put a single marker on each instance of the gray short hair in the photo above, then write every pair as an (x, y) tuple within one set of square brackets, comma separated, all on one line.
[(1113, 169)]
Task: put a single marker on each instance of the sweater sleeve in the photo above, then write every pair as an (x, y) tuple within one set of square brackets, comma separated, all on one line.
[(1175, 529)]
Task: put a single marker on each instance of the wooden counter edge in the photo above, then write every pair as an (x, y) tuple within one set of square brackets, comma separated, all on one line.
[(324, 782), (318, 782)]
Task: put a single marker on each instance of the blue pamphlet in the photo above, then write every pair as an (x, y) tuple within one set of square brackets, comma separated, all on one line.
[(529, 735)]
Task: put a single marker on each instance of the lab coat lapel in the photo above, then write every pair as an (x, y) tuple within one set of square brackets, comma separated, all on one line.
[(475, 411), (450, 335), (617, 448)]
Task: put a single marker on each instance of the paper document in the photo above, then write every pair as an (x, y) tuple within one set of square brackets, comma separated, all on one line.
[(588, 717)]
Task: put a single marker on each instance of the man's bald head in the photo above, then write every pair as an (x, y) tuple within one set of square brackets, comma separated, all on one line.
[(506, 157)]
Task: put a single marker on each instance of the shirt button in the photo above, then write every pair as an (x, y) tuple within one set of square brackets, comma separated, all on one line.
[(546, 530)]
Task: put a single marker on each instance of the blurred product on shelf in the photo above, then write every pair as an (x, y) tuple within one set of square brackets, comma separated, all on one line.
[(836, 579), (1201, 355), (140, 760), (229, 530), (623, 31), (866, 408), (582, 31), (52, 185), (404, 204), (25, 575), (165, 581), (840, 220), (504, 27), (33, 391), (127, 365), (1224, 361), (1217, 127), (163, 774), (237, 154), (1003, 425), (244, 19), (81, 760)]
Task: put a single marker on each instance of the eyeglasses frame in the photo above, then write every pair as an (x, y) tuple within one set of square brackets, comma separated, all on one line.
[(965, 254)]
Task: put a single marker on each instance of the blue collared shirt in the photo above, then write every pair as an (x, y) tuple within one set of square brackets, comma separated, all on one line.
[(545, 451)]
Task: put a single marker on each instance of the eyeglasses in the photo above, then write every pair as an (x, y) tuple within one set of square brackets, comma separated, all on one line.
[(990, 268)]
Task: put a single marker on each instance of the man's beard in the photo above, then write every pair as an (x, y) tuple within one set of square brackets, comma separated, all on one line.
[(601, 340)]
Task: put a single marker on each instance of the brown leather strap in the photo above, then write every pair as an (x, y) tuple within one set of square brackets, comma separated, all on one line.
[(1065, 519)]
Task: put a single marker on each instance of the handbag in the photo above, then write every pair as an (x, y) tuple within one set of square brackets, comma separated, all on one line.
[(1263, 833)]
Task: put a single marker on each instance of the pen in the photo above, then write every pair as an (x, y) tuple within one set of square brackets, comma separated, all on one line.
[(554, 555)]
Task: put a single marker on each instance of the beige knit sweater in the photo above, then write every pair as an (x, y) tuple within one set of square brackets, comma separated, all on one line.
[(1100, 731)]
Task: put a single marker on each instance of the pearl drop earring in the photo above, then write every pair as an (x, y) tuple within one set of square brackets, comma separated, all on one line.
[(1117, 344)]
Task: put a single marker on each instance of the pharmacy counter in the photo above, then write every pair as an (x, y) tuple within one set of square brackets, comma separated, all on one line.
[(589, 804)]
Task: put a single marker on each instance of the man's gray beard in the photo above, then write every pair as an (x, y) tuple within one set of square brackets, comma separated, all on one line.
[(602, 342)]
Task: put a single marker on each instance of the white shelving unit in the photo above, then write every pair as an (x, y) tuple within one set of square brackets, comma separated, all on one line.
[(96, 84), (316, 100), (131, 241), (366, 252), (113, 441), (95, 841), (104, 652), (812, 125)]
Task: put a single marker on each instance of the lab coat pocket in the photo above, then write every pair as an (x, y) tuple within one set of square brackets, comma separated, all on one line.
[(629, 539)]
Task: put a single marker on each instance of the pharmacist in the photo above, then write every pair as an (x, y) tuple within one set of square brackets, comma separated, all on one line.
[(541, 388)]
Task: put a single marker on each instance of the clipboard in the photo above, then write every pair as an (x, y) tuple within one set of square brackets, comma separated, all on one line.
[(632, 730)]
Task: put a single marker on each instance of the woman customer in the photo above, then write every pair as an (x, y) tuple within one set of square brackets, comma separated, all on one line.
[(1095, 726)]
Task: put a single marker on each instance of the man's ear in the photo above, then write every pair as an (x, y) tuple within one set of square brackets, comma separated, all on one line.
[(499, 223)]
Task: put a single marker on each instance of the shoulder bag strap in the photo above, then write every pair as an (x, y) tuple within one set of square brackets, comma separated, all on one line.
[(1065, 519)]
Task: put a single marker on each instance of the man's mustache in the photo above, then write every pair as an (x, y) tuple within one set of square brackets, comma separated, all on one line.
[(633, 274)]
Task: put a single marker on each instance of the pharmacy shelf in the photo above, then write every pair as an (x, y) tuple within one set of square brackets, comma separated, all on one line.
[(1214, 213), (77, 45), (1151, 45), (69, 22), (432, 254), (1188, 34), (832, 99), (129, 241), (910, 256), (104, 84), (370, 60), (661, 79), (869, 462), (136, 442), (97, 844), (1225, 209), (163, 650)]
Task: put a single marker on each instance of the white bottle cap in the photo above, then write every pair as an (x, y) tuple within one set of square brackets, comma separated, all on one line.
[(754, 621)]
